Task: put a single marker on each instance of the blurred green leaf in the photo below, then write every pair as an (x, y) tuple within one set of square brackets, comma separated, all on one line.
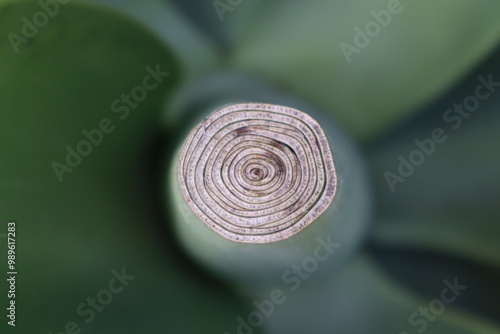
[(195, 52), (104, 215), (222, 21), (449, 202), (362, 299), (426, 47), (421, 272)]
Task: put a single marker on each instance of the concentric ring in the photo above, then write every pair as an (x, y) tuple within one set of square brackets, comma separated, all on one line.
[(257, 173)]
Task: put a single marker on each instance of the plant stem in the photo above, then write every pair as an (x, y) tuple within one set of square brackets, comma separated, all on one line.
[(261, 187)]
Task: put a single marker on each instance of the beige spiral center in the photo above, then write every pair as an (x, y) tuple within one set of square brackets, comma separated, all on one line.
[(257, 173)]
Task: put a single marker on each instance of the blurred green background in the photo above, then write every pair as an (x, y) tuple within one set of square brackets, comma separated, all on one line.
[(389, 72)]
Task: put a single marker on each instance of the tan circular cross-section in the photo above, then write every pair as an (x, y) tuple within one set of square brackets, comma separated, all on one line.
[(257, 173)]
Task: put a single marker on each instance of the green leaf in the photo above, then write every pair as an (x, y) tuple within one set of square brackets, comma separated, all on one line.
[(425, 48), (195, 52), (362, 299), (222, 21), (103, 215), (449, 201)]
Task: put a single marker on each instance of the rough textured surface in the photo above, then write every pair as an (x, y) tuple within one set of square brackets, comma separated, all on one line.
[(257, 173)]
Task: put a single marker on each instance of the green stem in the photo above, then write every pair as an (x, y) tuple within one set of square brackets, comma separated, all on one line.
[(258, 187)]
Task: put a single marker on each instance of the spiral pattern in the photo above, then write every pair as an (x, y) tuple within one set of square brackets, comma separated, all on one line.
[(257, 173)]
